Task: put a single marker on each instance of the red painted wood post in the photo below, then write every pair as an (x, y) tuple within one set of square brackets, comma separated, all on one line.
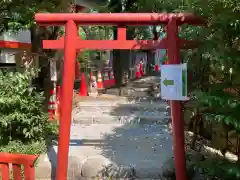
[(16, 171), (173, 52), (29, 172), (66, 99), (5, 172), (17, 160), (58, 100)]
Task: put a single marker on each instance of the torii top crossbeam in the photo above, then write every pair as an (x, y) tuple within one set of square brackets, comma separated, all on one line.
[(128, 19), (117, 19)]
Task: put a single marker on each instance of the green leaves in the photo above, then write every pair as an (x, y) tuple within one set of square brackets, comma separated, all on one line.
[(220, 106), (221, 168), (19, 14), (21, 116), (35, 148)]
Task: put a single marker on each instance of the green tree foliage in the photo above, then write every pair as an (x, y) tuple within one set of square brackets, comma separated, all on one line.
[(93, 33), (218, 52), (22, 119), (215, 65), (218, 55), (19, 14)]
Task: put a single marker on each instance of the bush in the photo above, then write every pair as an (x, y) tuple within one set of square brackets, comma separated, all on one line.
[(22, 120), (24, 148), (220, 168)]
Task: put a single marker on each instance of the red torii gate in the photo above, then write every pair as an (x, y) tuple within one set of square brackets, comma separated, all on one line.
[(72, 43)]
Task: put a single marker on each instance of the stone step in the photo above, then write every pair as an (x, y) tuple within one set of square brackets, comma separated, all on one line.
[(123, 109), (142, 110), (142, 85), (127, 93), (101, 111), (133, 105), (119, 120), (93, 112), (133, 92), (84, 118), (149, 79), (108, 98), (146, 99)]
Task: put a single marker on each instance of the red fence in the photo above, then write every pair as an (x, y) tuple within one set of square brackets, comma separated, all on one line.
[(17, 166)]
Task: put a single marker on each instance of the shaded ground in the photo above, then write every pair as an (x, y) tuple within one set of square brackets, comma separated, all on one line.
[(143, 148), (124, 136)]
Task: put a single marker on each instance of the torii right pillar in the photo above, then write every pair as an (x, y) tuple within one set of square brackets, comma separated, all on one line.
[(173, 52)]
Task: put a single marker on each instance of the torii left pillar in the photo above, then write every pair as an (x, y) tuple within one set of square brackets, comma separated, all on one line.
[(67, 88)]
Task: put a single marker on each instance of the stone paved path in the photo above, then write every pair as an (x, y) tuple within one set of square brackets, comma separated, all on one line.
[(131, 134)]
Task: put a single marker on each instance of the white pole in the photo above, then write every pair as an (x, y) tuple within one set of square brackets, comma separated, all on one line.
[(53, 74), (230, 71)]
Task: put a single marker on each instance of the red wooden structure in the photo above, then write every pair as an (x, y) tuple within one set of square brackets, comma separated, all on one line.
[(17, 160), (72, 43)]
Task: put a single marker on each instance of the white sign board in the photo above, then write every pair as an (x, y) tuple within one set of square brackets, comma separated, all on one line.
[(174, 82), (53, 70)]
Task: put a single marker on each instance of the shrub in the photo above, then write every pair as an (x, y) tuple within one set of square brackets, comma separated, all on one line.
[(220, 168), (22, 120)]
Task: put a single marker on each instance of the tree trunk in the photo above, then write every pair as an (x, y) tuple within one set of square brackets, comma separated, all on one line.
[(121, 60), (121, 57), (150, 61), (44, 56), (37, 34)]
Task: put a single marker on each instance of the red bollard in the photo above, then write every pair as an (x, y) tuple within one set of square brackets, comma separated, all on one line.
[(156, 68), (141, 69), (52, 105), (112, 79), (138, 74), (106, 80), (83, 86), (99, 81), (58, 99)]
